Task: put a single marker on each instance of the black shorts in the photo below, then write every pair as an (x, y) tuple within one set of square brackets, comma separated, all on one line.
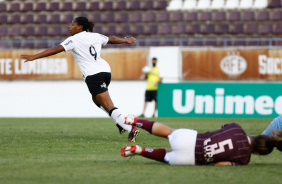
[(150, 96), (98, 83)]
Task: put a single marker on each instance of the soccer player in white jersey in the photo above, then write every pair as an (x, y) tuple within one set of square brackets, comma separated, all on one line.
[(86, 47)]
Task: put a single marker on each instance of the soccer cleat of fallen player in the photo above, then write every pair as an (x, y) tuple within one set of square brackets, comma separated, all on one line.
[(131, 150), (133, 134), (120, 129), (131, 120)]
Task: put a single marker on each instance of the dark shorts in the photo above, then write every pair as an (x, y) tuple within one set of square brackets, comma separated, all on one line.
[(98, 83), (150, 96)]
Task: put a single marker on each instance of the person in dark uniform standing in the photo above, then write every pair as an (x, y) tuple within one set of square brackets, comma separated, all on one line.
[(229, 145)]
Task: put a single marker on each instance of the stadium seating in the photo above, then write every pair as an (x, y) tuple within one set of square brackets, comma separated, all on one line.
[(95, 17), (110, 30), (207, 29), (265, 28), (3, 30), (179, 29), (15, 30), (55, 31), (234, 16), (222, 29), (3, 7), (149, 17), (205, 16), (3, 19), (41, 19), (54, 6), (276, 15), (67, 18), (190, 16), (248, 16), (159, 19), (150, 30), (41, 31), (134, 5), (14, 7), (274, 3), (278, 28), (219, 16), (135, 17), (193, 29), (80, 6), (124, 30), (55, 18), (41, 6), (147, 5), (109, 17), (27, 18), (27, 7), (262, 15), (176, 17), (29, 30), (121, 17), (120, 5), (107, 6), (163, 17), (236, 28), (251, 28), (67, 6), (160, 5), (93, 6), (14, 19), (164, 29)]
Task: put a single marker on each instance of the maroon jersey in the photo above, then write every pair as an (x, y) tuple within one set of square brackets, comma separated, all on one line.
[(230, 143)]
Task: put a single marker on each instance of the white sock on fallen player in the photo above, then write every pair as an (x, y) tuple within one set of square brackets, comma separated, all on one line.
[(119, 119)]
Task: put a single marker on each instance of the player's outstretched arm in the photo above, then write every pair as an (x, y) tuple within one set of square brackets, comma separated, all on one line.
[(46, 53), (117, 40)]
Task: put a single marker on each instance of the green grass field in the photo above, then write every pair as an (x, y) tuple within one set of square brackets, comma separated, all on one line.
[(86, 150)]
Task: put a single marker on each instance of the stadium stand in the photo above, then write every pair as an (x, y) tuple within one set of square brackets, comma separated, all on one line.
[(24, 21)]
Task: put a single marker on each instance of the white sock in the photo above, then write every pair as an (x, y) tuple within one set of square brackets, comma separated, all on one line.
[(119, 119), (101, 107)]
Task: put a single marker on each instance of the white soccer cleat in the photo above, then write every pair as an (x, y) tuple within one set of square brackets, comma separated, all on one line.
[(131, 120), (131, 151)]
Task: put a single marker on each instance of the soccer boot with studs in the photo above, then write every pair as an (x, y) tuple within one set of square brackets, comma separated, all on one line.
[(133, 134), (131, 150)]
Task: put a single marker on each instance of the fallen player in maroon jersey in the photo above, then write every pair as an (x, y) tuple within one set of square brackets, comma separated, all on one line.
[(229, 145)]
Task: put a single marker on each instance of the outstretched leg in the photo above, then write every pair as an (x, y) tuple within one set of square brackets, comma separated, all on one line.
[(104, 100), (120, 129), (152, 127), (154, 154)]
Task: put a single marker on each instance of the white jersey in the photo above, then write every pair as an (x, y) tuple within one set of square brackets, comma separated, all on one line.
[(86, 48)]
